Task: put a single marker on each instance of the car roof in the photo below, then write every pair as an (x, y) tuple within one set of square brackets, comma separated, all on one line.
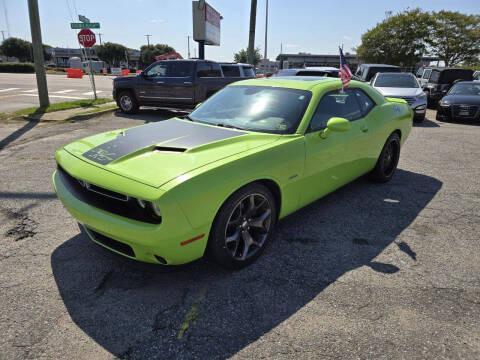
[(378, 65), (297, 82), (234, 63)]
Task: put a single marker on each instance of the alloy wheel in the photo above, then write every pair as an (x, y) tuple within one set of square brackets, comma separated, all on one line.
[(126, 103), (248, 226)]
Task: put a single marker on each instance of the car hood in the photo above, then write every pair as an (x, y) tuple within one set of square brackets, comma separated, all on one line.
[(462, 99), (399, 92), (158, 152)]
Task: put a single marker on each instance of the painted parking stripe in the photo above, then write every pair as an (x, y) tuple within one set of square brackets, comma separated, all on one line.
[(58, 96), (30, 91), (62, 91), (9, 89), (91, 92)]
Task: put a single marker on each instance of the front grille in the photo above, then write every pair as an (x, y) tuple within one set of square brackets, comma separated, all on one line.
[(112, 244), (464, 110), (107, 200)]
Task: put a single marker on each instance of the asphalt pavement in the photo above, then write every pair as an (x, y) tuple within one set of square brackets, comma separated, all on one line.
[(372, 271), (18, 91)]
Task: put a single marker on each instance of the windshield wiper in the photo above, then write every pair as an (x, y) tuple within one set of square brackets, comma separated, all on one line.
[(229, 126)]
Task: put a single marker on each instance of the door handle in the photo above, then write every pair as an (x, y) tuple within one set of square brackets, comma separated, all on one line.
[(160, 82), (187, 82)]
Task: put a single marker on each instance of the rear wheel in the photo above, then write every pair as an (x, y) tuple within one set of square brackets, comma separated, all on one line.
[(127, 102), (388, 160), (243, 227)]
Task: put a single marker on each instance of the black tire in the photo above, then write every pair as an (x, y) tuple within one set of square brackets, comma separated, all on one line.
[(127, 102), (418, 118), (231, 223), (387, 161)]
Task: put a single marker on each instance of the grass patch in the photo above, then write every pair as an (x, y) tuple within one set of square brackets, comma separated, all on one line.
[(84, 103)]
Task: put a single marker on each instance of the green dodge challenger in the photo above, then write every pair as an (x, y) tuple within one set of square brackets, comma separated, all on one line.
[(217, 181)]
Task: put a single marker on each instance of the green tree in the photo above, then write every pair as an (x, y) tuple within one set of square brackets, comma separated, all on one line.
[(398, 40), (242, 56), (111, 53), (454, 37), (15, 47), (148, 52)]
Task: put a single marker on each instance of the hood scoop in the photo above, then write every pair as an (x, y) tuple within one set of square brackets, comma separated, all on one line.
[(169, 149)]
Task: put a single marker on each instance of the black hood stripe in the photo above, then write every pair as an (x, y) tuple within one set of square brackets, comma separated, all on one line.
[(169, 133)]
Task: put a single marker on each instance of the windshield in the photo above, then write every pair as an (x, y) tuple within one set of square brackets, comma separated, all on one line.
[(465, 89), (396, 81), (256, 108)]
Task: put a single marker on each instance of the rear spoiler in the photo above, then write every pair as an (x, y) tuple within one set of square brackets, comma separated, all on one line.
[(396, 100)]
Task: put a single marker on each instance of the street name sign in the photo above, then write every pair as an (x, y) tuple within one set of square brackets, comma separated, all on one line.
[(82, 25)]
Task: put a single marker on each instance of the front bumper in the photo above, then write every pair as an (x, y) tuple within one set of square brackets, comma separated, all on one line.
[(165, 243), (454, 112)]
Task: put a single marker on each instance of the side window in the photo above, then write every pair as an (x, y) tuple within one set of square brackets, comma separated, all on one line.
[(158, 70), (205, 69), (335, 104), (426, 74), (366, 104), (179, 69), (231, 70), (248, 71)]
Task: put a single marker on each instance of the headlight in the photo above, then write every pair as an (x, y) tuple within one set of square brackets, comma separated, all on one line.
[(444, 103), (155, 209), (150, 208), (422, 96)]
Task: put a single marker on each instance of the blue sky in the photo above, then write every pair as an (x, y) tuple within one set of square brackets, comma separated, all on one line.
[(313, 26)]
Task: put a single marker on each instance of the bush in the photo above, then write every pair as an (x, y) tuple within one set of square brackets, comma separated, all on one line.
[(17, 68)]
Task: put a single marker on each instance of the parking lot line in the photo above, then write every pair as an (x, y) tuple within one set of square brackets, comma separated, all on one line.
[(9, 89), (30, 91), (62, 91), (91, 92)]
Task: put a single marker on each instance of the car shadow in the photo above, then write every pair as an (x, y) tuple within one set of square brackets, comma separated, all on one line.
[(136, 310), (151, 114), (426, 123)]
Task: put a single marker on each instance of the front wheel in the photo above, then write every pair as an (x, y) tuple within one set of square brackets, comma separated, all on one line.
[(243, 227), (127, 102), (388, 160)]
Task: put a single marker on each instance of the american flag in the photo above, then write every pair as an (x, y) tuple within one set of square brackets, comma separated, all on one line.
[(344, 73)]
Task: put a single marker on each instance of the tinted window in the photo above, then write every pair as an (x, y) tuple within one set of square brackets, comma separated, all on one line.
[(248, 71), (335, 104), (373, 70), (257, 108), (449, 76), (157, 70), (179, 69), (396, 81), (231, 70), (366, 104), (434, 77), (465, 89), (206, 69), (317, 73)]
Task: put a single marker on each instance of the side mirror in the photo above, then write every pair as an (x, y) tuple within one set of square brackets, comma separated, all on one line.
[(335, 124)]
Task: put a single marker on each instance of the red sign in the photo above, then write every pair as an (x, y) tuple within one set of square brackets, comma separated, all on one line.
[(86, 38)]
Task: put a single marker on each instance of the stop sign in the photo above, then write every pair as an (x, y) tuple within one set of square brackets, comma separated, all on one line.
[(86, 38)]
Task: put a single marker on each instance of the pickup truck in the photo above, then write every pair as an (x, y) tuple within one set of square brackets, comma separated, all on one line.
[(171, 83)]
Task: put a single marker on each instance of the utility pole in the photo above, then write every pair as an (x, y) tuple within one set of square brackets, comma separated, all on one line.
[(188, 45), (148, 39), (251, 35), (38, 53), (100, 37), (266, 30)]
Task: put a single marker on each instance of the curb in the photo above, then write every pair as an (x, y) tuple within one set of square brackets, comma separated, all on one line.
[(78, 117)]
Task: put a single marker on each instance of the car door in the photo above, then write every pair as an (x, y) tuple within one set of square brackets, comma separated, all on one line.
[(332, 158), (209, 80), (150, 87), (178, 86)]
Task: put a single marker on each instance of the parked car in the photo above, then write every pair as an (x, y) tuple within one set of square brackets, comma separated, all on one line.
[(462, 102), (238, 70), (423, 74), (219, 179), (365, 72), (404, 86), (310, 71), (441, 80), (170, 83)]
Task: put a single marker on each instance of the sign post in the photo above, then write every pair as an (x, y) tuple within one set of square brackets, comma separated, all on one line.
[(87, 39)]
